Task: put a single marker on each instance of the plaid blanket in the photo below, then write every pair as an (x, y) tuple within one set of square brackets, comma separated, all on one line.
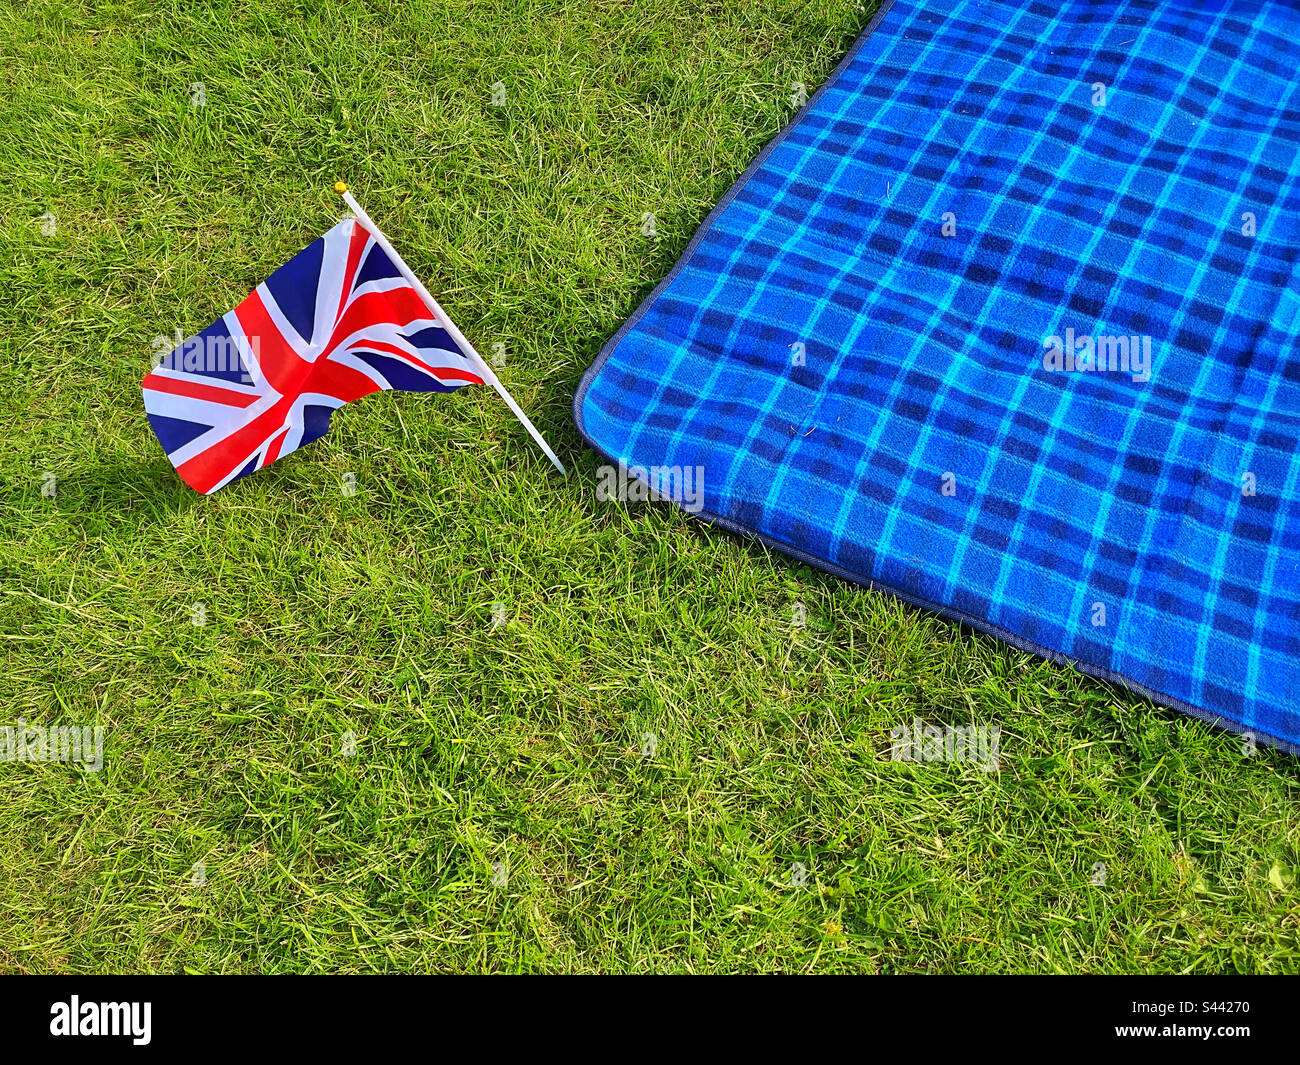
[(1006, 323)]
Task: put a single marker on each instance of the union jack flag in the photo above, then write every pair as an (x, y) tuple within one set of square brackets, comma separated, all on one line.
[(336, 322)]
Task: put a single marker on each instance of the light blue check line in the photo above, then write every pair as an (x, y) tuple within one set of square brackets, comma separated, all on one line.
[(669, 372), (844, 161), (872, 442), (940, 312), (1138, 408), (1290, 488), (793, 238), (924, 212), (1024, 381), (1251, 683), (918, 450), (744, 237), (703, 305), (1070, 624), (1256, 420), (1253, 646)]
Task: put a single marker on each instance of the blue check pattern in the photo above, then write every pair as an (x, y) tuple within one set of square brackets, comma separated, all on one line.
[(853, 345)]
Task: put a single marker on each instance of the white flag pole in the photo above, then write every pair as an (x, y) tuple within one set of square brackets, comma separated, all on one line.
[(480, 366)]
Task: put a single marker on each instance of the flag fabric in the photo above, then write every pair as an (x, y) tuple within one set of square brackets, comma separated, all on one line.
[(336, 322), (863, 351)]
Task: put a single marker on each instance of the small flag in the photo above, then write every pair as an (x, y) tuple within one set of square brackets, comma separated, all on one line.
[(336, 322)]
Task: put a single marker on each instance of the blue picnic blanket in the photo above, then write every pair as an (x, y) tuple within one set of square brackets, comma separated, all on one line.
[(1005, 323)]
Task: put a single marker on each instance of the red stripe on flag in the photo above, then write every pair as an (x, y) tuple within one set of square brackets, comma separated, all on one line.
[(399, 306), (290, 374), (283, 368), (194, 390), (358, 244), (436, 371), (273, 448)]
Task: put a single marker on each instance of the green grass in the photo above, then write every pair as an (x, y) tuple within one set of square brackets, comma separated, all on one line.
[(511, 752)]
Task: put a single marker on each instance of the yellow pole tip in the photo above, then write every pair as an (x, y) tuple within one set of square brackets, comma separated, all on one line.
[(340, 187)]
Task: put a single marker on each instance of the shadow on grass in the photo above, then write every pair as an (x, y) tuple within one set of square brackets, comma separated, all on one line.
[(124, 492)]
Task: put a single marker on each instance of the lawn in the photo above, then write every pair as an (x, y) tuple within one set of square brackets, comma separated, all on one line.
[(469, 717)]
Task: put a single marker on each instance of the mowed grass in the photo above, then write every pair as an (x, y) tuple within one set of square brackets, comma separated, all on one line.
[(503, 810)]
